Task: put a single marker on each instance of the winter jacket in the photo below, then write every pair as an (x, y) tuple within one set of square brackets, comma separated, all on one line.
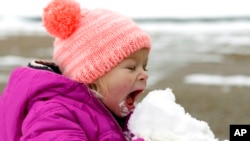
[(41, 105)]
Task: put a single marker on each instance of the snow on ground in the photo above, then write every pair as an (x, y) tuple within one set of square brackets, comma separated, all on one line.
[(218, 80)]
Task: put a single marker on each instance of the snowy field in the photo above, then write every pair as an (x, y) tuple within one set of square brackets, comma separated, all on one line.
[(21, 18)]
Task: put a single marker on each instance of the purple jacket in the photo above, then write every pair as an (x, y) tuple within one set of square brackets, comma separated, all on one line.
[(41, 105)]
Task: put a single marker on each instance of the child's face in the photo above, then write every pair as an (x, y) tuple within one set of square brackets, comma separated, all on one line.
[(124, 83)]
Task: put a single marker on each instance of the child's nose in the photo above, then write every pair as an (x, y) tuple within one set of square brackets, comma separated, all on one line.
[(143, 76)]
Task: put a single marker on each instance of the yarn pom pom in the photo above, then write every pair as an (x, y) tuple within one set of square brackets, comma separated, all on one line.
[(61, 17)]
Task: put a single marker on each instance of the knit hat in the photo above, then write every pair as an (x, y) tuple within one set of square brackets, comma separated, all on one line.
[(89, 43)]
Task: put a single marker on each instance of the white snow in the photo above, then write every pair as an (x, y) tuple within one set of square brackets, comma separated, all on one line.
[(159, 118), (218, 80), (11, 60)]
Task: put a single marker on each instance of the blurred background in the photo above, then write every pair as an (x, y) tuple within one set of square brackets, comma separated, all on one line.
[(201, 50)]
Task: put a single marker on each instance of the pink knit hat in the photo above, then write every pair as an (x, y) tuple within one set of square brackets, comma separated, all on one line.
[(89, 43)]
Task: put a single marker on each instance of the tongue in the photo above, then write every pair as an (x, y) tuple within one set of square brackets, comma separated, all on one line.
[(130, 102)]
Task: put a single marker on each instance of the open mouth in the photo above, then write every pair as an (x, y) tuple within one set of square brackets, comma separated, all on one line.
[(128, 104), (131, 99)]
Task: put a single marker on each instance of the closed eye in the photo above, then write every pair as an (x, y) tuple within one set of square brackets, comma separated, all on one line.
[(131, 67)]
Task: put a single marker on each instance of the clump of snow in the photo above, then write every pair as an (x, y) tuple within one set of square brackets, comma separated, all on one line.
[(159, 118)]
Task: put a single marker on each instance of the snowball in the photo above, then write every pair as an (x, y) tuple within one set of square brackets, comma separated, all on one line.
[(159, 118)]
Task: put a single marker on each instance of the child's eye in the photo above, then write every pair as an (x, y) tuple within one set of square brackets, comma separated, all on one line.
[(131, 67)]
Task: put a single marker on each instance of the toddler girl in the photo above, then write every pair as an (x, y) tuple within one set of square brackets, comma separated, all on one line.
[(89, 90)]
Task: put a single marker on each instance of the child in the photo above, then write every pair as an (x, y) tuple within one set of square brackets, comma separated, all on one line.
[(101, 58)]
